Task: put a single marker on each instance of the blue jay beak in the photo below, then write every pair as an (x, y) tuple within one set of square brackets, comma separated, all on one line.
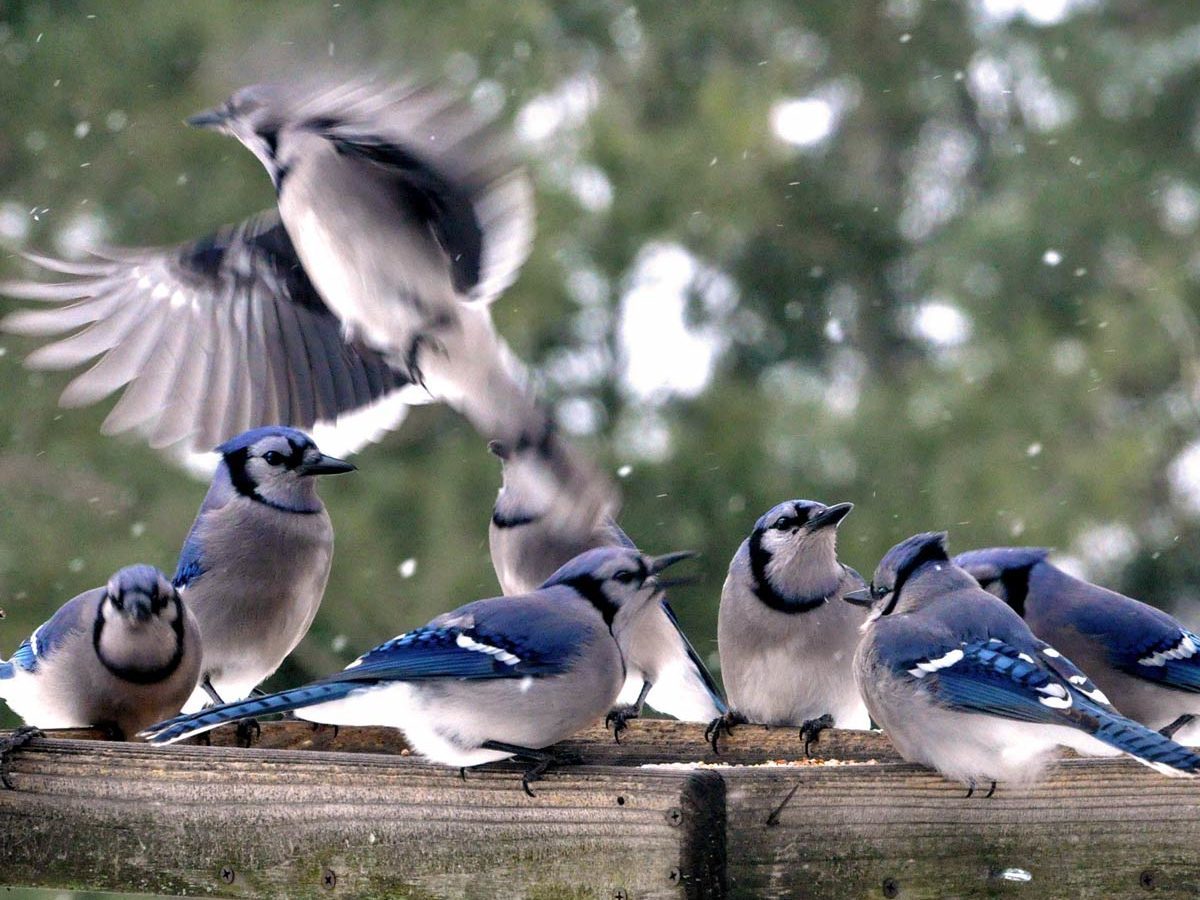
[(210, 118), (326, 465), (829, 516), (658, 563), (138, 607), (861, 597)]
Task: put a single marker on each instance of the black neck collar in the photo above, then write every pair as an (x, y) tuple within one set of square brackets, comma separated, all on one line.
[(143, 676), (759, 557)]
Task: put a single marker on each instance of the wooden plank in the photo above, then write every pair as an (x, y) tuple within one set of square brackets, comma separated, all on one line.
[(285, 823), (1095, 828), (645, 741)]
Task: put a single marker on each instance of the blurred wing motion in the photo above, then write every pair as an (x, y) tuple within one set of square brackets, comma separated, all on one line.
[(207, 339), (401, 217)]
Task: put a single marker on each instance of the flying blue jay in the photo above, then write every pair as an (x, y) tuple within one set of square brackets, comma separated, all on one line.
[(662, 667), (497, 678), (960, 683), (400, 217), (1147, 662), (254, 565), (786, 639), (118, 657)]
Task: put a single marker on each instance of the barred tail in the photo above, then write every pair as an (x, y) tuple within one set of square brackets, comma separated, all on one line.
[(182, 727), (1147, 747)]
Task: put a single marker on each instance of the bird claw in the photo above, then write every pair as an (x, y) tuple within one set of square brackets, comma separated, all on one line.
[(1168, 731), (810, 731), (724, 723), (248, 731), (542, 766), (987, 796), (618, 719), (14, 741)]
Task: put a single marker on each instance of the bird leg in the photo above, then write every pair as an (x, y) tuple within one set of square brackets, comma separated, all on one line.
[(1168, 731), (14, 741), (207, 686), (619, 716), (971, 790), (723, 723), (111, 731), (540, 761), (248, 731), (810, 731)]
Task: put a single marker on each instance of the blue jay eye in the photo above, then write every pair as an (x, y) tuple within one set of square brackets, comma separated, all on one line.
[(625, 577), (786, 523), (274, 457), (880, 592)]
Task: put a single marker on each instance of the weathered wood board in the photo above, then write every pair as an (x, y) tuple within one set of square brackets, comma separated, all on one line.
[(281, 823), (309, 813)]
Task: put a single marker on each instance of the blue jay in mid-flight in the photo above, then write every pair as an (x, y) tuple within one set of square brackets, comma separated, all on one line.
[(497, 678), (960, 683), (1147, 662), (400, 217), (118, 657), (786, 638), (254, 565), (527, 547)]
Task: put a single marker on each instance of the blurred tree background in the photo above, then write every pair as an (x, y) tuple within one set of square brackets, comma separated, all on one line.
[(938, 258)]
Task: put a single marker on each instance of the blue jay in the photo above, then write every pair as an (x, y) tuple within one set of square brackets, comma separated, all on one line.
[(960, 683), (254, 565), (497, 678), (118, 657), (786, 640), (1147, 662), (662, 667), (399, 218)]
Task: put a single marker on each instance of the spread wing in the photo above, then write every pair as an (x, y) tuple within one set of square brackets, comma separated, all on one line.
[(205, 340)]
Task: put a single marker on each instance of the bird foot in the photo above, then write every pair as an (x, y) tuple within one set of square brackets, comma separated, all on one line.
[(248, 731), (14, 741), (111, 731), (541, 760), (726, 724), (810, 731), (1168, 731), (971, 791), (318, 727), (618, 719)]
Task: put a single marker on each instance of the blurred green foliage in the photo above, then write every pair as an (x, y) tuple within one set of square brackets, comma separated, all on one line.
[(970, 305)]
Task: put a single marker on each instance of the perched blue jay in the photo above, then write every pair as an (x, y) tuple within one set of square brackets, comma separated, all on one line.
[(118, 657), (1147, 662), (960, 683), (400, 217), (662, 668), (786, 640), (502, 677), (254, 565)]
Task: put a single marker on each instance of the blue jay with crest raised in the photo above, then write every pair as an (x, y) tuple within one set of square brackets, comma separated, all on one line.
[(498, 678), (959, 682), (118, 657), (1146, 661), (255, 563)]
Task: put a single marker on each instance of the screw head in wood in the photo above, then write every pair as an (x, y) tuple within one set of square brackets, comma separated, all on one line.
[(675, 876), (619, 894), (329, 879), (674, 816), (227, 875), (890, 888), (1147, 880)]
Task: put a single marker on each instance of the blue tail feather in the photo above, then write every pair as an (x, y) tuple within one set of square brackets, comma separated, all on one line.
[(6, 670), (206, 719), (1140, 741)]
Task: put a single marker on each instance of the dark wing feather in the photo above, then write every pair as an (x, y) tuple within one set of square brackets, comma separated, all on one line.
[(207, 339)]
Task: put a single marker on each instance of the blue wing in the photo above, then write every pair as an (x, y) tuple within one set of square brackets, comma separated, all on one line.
[(991, 676), (1171, 658), (506, 637), (47, 638)]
